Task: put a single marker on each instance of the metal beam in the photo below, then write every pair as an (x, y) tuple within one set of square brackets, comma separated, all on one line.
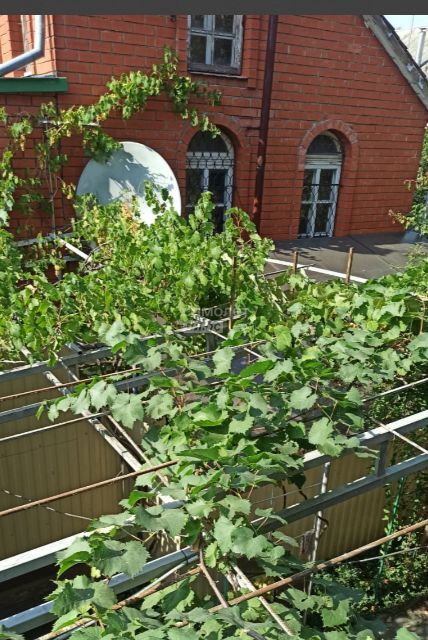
[(35, 559), (41, 367), (346, 492), (31, 409), (374, 437), (27, 242), (84, 356), (41, 614), (74, 249), (100, 429)]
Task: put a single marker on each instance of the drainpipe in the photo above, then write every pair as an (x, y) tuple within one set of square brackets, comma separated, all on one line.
[(421, 42), (264, 118), (28, 56), (26, 41)]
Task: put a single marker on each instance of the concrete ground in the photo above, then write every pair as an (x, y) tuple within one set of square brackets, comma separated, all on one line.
[(375, 254), (414, 619)]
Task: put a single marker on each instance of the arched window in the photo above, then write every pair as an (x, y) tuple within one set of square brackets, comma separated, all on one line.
[(320, 186), (209, 165)]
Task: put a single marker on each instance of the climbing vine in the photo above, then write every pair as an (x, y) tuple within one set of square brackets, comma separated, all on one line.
[(417, 217), (43, 132)]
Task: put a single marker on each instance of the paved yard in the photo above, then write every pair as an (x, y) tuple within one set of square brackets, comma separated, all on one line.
[(414, 619), (374, 255)]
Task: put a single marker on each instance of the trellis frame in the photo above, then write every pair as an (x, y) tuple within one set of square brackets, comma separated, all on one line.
[(45, 555)]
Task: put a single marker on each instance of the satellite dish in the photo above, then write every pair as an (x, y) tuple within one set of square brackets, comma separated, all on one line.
[(124, 174)]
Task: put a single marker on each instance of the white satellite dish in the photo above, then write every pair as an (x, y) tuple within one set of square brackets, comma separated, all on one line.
[(124, 174)]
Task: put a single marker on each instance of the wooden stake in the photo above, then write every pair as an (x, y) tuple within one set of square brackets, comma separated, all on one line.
[(349, 265), (295, 261), (323, 565), (96, 485)]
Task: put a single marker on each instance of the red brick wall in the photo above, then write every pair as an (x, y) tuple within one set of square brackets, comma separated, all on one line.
[(90, 49), (11, 44), (330, 72)]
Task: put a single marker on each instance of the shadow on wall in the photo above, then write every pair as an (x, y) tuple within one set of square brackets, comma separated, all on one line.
[(125, 173), (120, 174)]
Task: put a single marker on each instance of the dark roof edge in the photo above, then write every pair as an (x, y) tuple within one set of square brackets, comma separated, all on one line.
[(399, 54), (34, 84)]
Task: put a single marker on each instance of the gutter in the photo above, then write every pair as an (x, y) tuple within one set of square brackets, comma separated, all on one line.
[(264, 119), (34, 84), (28, 56)]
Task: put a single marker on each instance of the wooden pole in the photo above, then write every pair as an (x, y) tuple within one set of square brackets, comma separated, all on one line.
[(349, 264), (323, 565), (295, 261), (257, 592), (89, 487)]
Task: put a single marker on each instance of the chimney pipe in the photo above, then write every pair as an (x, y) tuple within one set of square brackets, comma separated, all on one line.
[(421, 43)]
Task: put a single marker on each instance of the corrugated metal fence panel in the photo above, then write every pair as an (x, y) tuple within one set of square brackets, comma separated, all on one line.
[(20, 385), (350, 524), (354, 522), (75, 455), (48, 463), (287, 495)]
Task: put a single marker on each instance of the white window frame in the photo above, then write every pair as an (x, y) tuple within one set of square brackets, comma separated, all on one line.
[(310, 232), (209, 32), (317, 163)]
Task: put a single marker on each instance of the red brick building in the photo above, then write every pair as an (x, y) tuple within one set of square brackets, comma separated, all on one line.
[(346, 119)]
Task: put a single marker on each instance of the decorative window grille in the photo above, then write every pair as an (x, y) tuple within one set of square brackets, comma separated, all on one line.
[(210, 164), (215, 43), (320, 187)]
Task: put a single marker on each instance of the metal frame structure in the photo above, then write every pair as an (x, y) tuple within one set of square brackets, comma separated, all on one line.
[(45, 555), (40, 615)]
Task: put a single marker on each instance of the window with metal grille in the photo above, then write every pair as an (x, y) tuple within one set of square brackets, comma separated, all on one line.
[(320, 187), (215, 43), (209, 167)]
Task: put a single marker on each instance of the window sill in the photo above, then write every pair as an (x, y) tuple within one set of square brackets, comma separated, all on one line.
[(217, 74)]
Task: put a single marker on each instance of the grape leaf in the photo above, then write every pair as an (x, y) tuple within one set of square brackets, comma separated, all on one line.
[(223, 360), (127, 408), (302, 398)]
